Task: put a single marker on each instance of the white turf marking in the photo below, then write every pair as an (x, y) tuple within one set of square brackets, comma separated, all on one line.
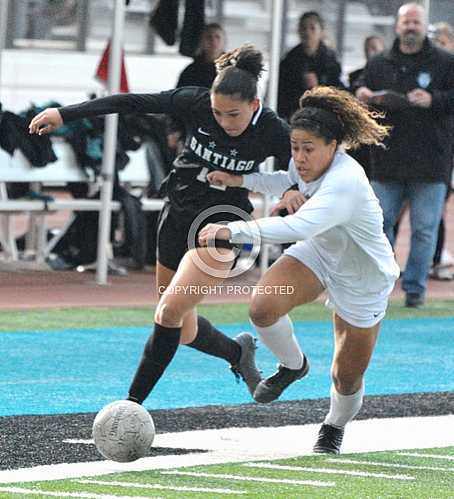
[(313, 483), (84, 495), (164, 487), (435, 456), (389, 465), (329, 471), (235, 445), (82, 441)]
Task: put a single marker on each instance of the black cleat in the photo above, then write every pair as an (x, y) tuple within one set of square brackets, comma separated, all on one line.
[(329, 440), (414, 300), (271, 388), (246, 368)]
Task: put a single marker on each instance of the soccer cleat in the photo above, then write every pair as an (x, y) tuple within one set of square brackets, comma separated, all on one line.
[(246, 368), (271, 388), (329, 440)]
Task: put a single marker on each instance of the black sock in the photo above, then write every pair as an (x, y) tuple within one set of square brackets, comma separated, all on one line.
[(213, 342), (157, 355)]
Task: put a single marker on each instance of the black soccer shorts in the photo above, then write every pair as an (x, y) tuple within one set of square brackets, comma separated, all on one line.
[(173, 230)]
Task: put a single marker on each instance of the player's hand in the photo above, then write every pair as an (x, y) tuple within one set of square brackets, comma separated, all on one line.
[(364, 94), (226, 179), (310, 79), (291, 201), (213, 231), (419, 97), (46, 121)]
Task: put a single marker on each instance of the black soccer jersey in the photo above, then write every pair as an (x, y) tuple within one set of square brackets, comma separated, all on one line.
[(207, 146)]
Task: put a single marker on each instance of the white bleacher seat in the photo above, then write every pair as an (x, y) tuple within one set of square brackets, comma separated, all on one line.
[(65, 170)]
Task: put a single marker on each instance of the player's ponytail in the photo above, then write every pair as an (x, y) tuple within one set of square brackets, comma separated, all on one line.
[(337, 115), (238, 72)]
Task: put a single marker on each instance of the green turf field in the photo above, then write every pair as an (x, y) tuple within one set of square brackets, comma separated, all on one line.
[(372, 475), (227, 313), (353, 476)]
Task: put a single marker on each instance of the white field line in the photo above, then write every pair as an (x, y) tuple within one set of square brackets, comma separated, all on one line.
[(390, 465), (329, 471), (435, 456), (313, 483), (235, 445), (79, 441), (135, 485), (84, 495)]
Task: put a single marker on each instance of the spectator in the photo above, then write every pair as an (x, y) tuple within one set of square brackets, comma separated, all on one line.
[(373, 45), (202, 72), (307, 65), (416, 163), (442, 35)]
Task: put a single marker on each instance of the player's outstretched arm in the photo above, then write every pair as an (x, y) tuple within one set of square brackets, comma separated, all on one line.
[(46, 121), (50, 119)]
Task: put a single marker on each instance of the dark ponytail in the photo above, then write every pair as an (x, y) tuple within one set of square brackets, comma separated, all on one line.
[(238, 73)]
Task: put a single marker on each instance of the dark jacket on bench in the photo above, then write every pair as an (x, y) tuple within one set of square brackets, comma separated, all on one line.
[(14, 135)]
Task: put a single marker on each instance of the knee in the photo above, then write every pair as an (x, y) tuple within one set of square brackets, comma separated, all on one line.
[(262, 313), (221, 259), (168, 314), (346, 382), (426, 234)]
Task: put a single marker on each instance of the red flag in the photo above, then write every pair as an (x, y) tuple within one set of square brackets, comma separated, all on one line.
[(102, 72)]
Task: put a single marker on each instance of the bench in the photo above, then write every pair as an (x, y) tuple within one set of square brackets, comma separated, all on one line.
[(65, 170)]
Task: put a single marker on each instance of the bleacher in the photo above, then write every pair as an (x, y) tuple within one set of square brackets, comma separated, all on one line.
[(65, 170), (53, 177)]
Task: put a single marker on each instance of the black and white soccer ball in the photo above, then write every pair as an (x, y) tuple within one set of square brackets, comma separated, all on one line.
[(123, 431)]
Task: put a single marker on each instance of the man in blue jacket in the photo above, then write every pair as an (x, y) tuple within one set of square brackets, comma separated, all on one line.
[(414, 84)]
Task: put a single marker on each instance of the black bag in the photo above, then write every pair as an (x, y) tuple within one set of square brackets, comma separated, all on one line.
[(79, 244), (151, 220), (135, 240)]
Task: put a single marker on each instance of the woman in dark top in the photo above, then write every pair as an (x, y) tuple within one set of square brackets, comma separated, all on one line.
[(202, 71), (227, 129), (307, 65)]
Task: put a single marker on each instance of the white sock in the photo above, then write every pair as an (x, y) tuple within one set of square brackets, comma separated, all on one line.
[(279, 338), (344, 408)]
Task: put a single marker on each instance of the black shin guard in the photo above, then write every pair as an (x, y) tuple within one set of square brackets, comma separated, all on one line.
[(157, 355), (213, 342)]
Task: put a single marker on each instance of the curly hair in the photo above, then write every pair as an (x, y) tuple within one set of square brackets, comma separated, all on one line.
[(338, 115), (238, 72)]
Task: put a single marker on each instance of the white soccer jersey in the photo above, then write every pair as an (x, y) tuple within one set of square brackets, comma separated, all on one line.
[(342, 220)]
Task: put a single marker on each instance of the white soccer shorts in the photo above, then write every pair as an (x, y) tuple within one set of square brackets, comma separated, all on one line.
[(359, 304)]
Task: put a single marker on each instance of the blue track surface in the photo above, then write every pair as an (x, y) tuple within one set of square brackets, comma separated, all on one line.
[(72, 371)]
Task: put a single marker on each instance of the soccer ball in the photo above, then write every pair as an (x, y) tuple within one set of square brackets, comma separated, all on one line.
[(123, 431)]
